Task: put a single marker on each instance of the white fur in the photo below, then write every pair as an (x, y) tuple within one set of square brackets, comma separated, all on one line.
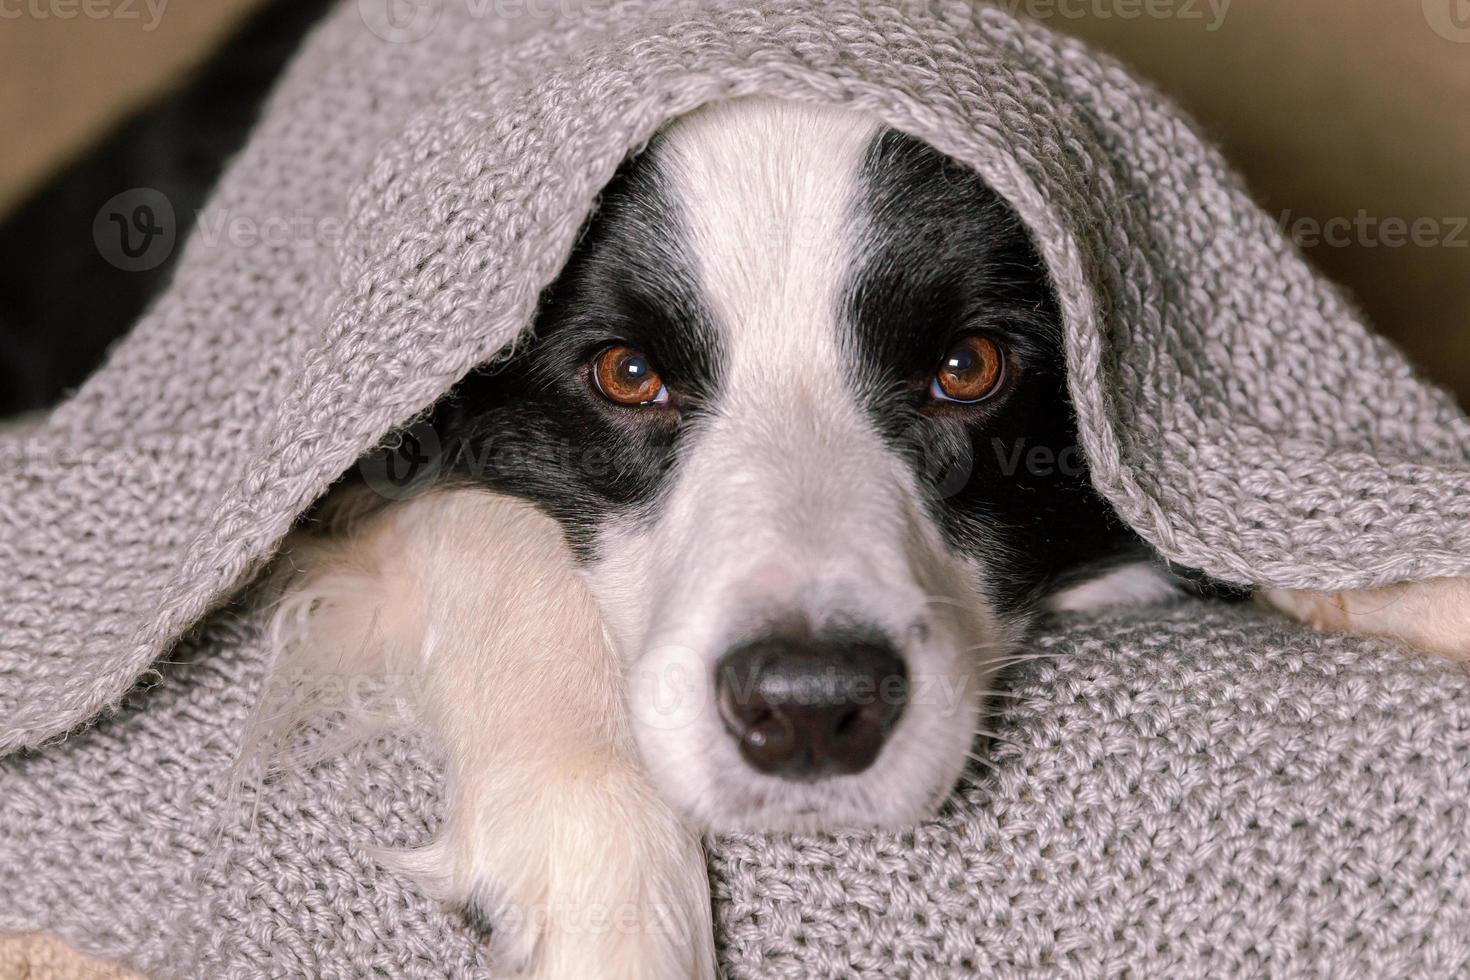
[(786, 503), (1139, 584), (551, 828), (1432, 615)]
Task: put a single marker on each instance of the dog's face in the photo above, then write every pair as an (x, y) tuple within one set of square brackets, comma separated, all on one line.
[(799, 401)]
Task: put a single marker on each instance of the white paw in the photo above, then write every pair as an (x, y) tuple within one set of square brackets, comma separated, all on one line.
[(590, 878), (1320, 610), (1433, 615)]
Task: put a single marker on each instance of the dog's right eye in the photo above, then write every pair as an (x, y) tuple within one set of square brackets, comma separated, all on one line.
[(625, 376)]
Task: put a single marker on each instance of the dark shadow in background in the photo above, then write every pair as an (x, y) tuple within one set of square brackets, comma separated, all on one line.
[(62, 301)]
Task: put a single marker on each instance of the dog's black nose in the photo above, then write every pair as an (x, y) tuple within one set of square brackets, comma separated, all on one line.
[(804, 708)]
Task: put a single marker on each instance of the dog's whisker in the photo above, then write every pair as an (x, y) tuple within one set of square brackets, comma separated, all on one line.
[(989, 764), (1021, 658), (998, 648)]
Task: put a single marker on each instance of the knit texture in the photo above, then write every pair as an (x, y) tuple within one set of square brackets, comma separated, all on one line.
[(1195, 792), (409, 192)]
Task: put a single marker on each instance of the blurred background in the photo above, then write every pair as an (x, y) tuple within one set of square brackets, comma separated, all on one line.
[(1351, 122)]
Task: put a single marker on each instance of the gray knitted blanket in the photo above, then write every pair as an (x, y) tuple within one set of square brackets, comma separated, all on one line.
[(1196, 791)]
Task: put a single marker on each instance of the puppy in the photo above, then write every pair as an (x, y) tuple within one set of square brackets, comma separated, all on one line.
[(797, 405)]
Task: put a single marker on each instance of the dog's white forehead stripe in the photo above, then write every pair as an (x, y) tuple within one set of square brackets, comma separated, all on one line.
[(767, 198), (786, 482)]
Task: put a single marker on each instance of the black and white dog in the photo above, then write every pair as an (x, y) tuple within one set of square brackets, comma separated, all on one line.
[(798, 405)]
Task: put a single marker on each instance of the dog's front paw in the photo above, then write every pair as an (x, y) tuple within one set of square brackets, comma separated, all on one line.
[(1433, 615), (586, 878)]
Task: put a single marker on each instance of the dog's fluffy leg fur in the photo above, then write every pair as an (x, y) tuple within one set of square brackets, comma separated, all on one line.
[(1432, 615), (552, 835)]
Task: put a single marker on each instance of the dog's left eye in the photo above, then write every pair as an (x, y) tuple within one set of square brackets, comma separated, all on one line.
[(970, 371), (625, 376)]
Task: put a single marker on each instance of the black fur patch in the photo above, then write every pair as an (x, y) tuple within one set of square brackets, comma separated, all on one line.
[(533, 427), (946, 257)]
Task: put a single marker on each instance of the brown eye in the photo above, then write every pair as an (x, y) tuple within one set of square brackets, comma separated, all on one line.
[(970, 371), (624, 376)]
